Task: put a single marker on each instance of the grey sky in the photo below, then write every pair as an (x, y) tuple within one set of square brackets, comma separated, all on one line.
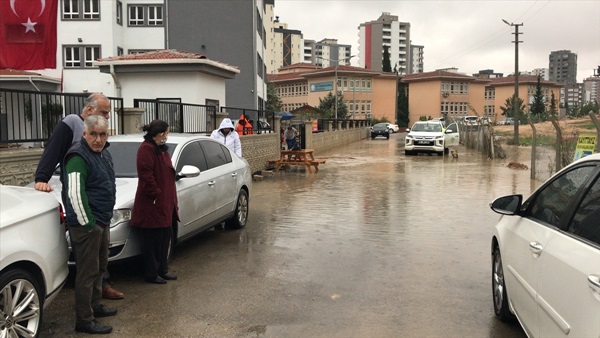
[(469, 35)]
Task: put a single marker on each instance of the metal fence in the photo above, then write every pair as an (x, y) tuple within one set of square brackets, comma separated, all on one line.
[(181, 117), (30, 116)]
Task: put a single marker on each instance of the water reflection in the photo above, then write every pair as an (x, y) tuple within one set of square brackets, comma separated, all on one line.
[(414, 227)]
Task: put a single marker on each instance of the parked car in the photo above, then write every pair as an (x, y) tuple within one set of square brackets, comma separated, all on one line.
[(33, 258), (485, 121), (471, 122), (393, 128), (213, 186), (507, 121), (380, 129), (430, 137), (546, 254)]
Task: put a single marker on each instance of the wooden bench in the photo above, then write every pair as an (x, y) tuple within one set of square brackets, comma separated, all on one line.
[(315, 163)]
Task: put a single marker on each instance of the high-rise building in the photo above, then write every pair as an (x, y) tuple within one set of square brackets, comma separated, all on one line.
[(591, 89), (284, 47), (386, 32), (230, 31), (563, 67), (327, 52), (416, 59), (542, 72)]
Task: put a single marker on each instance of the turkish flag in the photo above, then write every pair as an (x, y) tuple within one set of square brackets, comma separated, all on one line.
[(28, 34)]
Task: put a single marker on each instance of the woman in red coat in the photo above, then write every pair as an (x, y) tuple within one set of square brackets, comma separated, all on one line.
[(155, 206)]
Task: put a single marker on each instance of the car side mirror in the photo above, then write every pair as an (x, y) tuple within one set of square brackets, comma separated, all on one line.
[(187, 171), (507, 205), (407, 130)]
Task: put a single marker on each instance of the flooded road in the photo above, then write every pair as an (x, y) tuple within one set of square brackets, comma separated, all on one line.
[(376, 244)]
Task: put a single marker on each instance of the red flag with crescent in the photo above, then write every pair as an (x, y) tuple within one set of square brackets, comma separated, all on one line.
[(28, 34)]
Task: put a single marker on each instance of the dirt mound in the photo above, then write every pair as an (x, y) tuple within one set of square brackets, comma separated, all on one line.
[(568, 126)]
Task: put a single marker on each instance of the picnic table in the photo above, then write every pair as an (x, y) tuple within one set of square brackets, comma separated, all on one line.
[(298, 157)]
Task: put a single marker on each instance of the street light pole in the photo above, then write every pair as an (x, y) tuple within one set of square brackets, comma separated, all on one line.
[(516, 107)]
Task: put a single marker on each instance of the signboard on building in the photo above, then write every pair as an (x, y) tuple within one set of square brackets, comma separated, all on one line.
[(586, 143), (322, 87)]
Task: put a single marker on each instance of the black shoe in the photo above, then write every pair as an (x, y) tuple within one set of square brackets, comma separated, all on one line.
[(168, 276), (156, 280), (103, 311), (93, 327)]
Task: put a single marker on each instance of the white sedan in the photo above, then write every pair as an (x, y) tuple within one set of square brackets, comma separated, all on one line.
[(546, 255), (213, 186), (33, 258)]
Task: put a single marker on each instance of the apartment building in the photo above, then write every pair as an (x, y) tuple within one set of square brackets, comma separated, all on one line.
[(327, 52), (417, 59), (591, 89), (562, 66), (395, 35), (285, 46)]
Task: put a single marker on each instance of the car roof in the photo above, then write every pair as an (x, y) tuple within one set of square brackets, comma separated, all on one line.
[(173, 137)]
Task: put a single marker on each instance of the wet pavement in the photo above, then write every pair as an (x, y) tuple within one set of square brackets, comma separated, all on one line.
[(376, 244)]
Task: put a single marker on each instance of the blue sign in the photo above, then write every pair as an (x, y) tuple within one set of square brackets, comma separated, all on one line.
[(322, 87)]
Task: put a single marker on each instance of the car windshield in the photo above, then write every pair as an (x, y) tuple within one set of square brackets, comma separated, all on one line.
[(380, 126), (427, 127), (124, 155)]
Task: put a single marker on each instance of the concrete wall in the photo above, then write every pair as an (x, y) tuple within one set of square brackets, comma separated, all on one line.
[(17, 166)]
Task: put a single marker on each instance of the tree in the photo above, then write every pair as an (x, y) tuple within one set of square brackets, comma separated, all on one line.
[(538, 106), (386, 63), (327, 104), (508, 111), (552, 111), (402, 118), (273, 101), (589, 107)]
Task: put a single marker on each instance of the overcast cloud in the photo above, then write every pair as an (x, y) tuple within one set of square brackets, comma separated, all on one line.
[(469, 35)]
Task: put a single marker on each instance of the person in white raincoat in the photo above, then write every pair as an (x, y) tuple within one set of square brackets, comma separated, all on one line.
[(228, 137)]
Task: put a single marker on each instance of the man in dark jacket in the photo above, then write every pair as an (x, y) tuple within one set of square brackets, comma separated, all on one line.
[(89, 183), (65, 134)]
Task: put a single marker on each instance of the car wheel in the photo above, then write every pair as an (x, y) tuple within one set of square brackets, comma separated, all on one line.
[(499, 288), (240, 216), (408, 153), (446, 151), (21, 304)]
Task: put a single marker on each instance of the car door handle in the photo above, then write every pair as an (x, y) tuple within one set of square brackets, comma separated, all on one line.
[(536, 248), (594, 282), (211, 183), (234, 175)]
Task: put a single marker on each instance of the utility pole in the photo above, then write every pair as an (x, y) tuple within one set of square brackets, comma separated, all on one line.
[(516, 107)]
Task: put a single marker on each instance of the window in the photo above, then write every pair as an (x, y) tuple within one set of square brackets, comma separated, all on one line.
[(80, 56), (192, 154), (552, 203), (119, 13), (145, 15), (80, 9), (119, 51), (585, 223), (215, 154)]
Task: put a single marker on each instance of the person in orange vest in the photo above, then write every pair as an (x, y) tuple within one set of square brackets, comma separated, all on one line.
[(244, 127)]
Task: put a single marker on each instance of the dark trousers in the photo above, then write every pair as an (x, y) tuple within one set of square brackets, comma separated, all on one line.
[(155, 248), (290, 143), (91, 258)]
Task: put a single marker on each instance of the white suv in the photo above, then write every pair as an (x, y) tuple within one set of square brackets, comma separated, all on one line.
[(33, 258), (431, 137), (471, 122)]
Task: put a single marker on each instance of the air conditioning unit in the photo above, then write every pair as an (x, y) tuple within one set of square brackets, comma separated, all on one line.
[(445, 94)]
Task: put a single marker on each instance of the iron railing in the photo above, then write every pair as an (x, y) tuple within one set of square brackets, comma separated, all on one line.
[(30, 116), (181, 117)]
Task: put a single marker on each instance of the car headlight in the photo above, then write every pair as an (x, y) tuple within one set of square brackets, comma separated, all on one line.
[(409, 137), (439, 137), (119, 216)]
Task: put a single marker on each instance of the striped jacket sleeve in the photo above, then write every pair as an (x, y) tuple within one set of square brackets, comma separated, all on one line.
[(76, 177)]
